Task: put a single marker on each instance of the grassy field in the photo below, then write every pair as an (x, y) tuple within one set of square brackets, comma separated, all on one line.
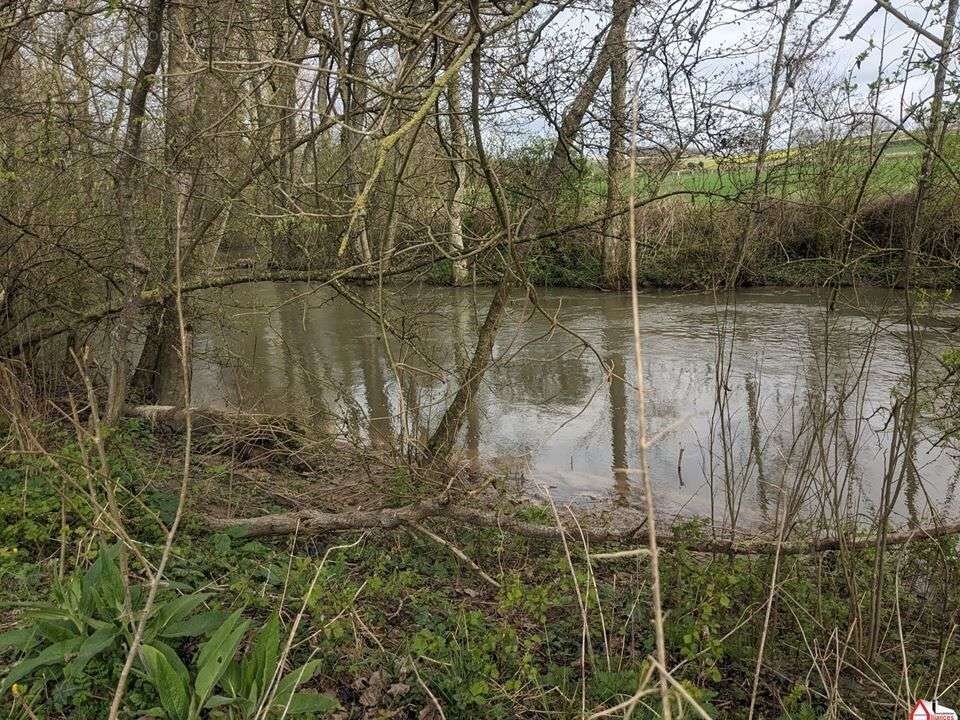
[(800, 172)]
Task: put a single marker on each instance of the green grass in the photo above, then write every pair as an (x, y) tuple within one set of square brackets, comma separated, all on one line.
[(801, 173), (808, 194)]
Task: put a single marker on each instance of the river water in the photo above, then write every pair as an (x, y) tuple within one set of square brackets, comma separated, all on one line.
[(558, 410)]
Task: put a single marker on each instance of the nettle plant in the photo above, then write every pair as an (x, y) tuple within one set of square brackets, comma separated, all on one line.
[(92, 617)]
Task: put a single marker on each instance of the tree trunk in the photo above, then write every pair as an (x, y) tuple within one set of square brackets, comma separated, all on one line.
[(194, 99), (354, 94), (774, 97), (459, 274), (933, 144), (135, 262), (613, 226), (289, 47), (159, 358)]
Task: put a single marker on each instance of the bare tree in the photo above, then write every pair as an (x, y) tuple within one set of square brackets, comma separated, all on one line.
[(126, 185)]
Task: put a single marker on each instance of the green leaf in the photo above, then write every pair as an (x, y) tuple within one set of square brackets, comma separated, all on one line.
[(157, 712), (56, 653), (91, 647), (258, 667), (70, 597), (171, 655), (294, 679), (231, 682), (309, 702), (21, 639), (102, 585), (176, 611), (230, 623), (56, 630), (216, 653), (199, 624), (216, 701), (171, 684)]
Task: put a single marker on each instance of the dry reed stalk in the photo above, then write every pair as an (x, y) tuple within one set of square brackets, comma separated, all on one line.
[(782, 514), (458, 552), (426, 689), (584, 621), (642, 429), (267, 701)]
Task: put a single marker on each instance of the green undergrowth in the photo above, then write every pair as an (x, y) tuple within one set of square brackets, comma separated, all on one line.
[(388, 614), (575, 265)]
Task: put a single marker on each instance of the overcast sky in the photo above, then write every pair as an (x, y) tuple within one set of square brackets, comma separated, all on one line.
[(890, 44), (840, 55)]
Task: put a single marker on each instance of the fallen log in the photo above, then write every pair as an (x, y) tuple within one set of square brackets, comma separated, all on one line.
[(205, 419), (314, 522)]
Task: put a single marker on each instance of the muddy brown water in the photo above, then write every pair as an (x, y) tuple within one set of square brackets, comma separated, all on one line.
[(552, 415)]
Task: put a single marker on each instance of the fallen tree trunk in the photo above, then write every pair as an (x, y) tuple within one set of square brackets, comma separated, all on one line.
[(206, 419), (314, 522)]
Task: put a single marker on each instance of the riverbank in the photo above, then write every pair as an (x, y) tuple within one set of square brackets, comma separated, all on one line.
[(572, 266), (446, 619)]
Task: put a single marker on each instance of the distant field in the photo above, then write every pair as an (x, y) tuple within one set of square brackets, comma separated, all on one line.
[(811, 171), (817, 173), (803, 176), (807, 171)]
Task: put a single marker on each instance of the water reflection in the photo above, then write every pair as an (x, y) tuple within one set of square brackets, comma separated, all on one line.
[(618, 428), (561, 414)]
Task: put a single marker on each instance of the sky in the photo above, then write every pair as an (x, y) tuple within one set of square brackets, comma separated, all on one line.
[(882, 37)]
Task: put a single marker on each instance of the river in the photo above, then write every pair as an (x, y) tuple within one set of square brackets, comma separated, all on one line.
[(552, 415)]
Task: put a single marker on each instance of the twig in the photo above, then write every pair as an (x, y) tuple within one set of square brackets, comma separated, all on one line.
[(584, 621), (782, 515), (631, 702), (458, 552), (267, 701), (638, 552), (683, 692), (184, 486), (433, 698)]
